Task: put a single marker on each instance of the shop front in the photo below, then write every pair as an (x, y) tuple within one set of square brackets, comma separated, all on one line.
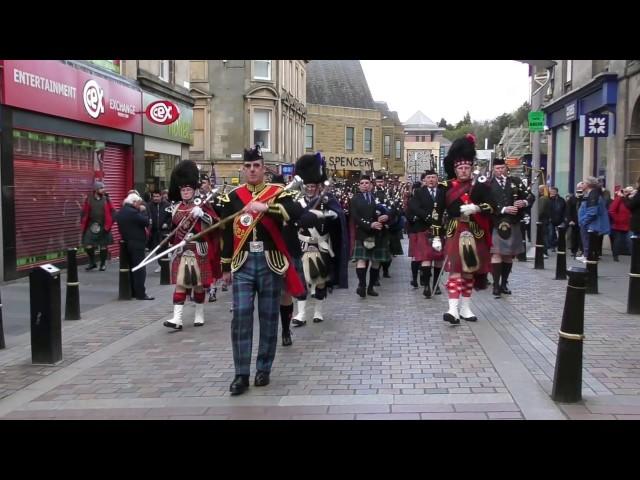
[(165, 145), (578, 153), (63, 127)]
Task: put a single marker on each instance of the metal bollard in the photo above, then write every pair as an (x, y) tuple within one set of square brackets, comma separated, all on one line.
[(165, 270), (539, 261), (633, 301), (72, 303), (561, 259), (2, 344), (46, 325), (522, 257), (592, 263), (567, 378), (125, 273)]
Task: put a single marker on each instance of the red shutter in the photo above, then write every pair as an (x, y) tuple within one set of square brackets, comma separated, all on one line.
[(51, 176), (116, 179)]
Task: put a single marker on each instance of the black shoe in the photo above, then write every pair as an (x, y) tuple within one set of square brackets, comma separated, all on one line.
[(146, 297), (317, 320), (262, 379), (239, 384), (386, 275), (169, 324), (298, 323), (496, 291), (447, 317), (361, 291), (427, 291), (103, 267), (91, 267), (286, 338), (437, 291), (212, 296), (615, 258), (371, 292), (470, 319), (224, 287), (414, 284), (505, 289)]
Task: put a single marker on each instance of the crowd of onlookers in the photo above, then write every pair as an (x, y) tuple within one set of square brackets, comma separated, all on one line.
[(590, 209)]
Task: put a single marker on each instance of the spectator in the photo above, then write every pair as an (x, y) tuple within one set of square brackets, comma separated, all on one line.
[(620, 219), (571, 219), (96, 222), (160, 221), (592, 215), (557, 207), (133, 220), (632, 202), (544, 216)]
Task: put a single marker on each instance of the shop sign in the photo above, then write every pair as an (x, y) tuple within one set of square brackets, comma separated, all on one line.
[(54, 88), (180, 130), (343, 162), (594, 125), (571, 111)]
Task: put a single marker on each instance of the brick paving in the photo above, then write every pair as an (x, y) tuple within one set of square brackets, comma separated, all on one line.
[(390, 357)]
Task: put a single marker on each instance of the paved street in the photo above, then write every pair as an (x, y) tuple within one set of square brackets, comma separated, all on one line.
[(390, 357)]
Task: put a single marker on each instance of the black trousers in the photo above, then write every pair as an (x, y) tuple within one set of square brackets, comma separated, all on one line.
[(136, 255)]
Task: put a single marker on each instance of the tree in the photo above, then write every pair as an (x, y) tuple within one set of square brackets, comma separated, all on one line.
[(521, 115), (466, 121)]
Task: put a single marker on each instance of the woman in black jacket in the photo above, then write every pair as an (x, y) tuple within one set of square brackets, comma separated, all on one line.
[(632, 202)]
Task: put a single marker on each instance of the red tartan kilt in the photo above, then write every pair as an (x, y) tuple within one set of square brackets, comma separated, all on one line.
[(205, 270), (420, 248), (452, 248)]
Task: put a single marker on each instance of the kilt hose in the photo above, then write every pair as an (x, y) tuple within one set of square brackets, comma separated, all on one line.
[(255, 276)]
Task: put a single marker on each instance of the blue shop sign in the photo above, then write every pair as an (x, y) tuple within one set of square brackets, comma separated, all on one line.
[(287, 169), (594, 125)]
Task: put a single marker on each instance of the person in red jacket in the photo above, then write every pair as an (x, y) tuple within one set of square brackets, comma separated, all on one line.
[(96, 222), (620, 220)]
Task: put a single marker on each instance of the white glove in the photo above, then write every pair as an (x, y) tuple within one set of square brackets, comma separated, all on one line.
[(469, 209), (330, 214), (197, 212), (436, 244)]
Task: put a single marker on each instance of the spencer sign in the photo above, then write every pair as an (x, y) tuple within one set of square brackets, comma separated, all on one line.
[(51, 87), (341, 162)]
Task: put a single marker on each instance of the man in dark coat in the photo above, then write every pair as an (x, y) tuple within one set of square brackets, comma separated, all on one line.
[(132, 220), (160, 217)]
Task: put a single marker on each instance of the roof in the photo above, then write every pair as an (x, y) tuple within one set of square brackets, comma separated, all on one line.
[(420, 120), (339, 83)]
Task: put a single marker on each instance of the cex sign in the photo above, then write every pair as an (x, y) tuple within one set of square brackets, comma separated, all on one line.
[(162, 112), (51, 87)]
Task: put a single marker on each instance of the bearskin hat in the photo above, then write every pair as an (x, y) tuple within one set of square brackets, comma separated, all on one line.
[(184, 174), (251, 154), (462, 151), (311, 168)]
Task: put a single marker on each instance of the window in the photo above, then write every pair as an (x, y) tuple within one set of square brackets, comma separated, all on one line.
[(308, 138), (398, 148), (368, 136), (349, 134), (290, 79), (387, 145), (164, 70), (262, 69), (295, 87), (569, 71), (262, 128)]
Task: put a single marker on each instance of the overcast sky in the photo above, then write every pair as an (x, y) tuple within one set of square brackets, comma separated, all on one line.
[(448, 88)]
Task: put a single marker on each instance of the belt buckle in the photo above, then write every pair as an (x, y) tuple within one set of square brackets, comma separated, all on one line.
[(256, 247)]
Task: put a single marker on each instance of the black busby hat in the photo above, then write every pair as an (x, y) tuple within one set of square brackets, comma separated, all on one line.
[(251, 154), (311, 168), (498, 161), (184, 174), (461, 152)]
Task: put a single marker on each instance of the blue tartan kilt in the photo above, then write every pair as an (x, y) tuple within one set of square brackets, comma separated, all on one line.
[(379, 253)]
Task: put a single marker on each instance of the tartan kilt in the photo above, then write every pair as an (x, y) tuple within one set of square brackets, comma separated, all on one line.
[(101, 239), (204, 263), (420, 248), (379, 253), (452, 249), (511, 246)]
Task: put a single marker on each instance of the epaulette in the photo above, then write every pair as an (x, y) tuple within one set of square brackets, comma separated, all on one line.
[(287, 193)]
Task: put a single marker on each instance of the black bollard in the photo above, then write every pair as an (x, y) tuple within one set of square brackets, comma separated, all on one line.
[(567, 379), (72, 304), (539, 261), (165, 270), (46, 325), (592, 263), (125, 273), (2, 344), (522, 257), (633, 301), (561, 259)]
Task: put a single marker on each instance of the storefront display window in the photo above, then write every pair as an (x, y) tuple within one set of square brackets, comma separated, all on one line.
[(158, 167), (562, 156)]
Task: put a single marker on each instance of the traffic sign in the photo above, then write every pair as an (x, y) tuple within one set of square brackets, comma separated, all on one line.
[(536, 121)]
